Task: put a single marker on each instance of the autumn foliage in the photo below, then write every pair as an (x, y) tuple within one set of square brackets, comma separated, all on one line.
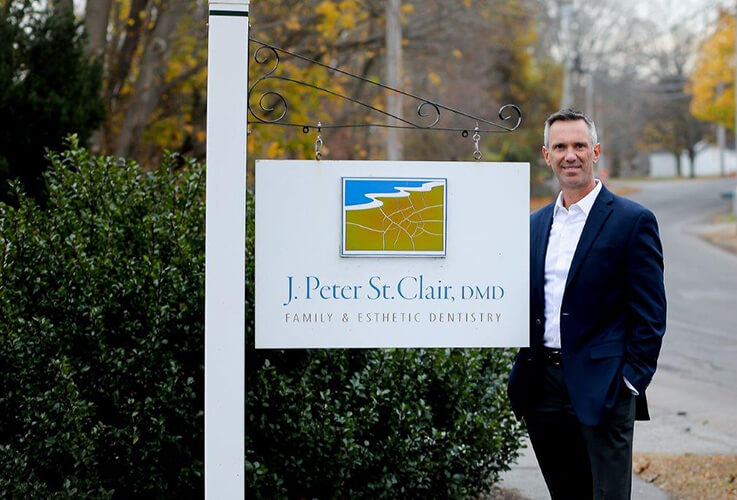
[(713, 77)]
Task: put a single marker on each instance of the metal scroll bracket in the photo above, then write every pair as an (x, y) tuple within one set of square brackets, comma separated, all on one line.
[(269, 106)]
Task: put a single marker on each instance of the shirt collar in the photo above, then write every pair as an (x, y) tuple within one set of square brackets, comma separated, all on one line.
[(584, 204)]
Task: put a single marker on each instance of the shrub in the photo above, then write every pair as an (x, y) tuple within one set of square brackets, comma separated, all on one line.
[(377, 423), (101, 318)]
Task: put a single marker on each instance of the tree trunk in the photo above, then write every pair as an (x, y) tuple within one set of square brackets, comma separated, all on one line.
[(96, 21), (393, 71), (62, 5), (120, 66), (692, 159), (151, 76), (616, 165), (679, 166)]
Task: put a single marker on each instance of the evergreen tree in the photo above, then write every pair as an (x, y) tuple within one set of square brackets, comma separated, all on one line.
[(48, 89)]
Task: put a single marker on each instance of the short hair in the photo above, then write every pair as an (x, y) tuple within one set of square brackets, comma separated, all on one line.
[(568, 115)]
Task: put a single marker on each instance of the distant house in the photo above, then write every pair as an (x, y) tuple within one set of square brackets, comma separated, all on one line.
[(663, 164)]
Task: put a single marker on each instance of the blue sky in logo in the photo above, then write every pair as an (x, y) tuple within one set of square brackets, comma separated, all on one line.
[(357, 189)]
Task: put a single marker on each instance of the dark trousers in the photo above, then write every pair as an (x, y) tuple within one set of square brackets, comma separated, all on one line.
[(579, 461)]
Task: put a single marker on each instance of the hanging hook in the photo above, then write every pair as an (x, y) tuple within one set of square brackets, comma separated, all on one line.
[(476, 139), (318, 142)]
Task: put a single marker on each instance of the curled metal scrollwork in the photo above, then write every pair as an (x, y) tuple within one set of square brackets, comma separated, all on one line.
[(508, 112), (270, 100), (265, 58), (269, 108), (272, 107), (421, 113)]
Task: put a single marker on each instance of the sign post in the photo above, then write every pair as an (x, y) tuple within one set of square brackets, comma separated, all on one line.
[(227, 81)]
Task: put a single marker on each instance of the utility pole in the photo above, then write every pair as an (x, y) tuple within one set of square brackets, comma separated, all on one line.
[(721, 134), (393, 75), (590, 93), (566, 10), (721, 142)]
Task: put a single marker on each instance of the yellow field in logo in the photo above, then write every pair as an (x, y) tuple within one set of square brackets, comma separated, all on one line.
[(394, 216)]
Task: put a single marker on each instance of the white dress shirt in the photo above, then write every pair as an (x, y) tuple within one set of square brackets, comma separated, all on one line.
[(564, 235)]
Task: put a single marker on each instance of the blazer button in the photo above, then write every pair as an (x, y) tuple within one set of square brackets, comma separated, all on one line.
[(538, 322)]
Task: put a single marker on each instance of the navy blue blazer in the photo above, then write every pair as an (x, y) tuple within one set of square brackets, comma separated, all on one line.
[(613, 311)]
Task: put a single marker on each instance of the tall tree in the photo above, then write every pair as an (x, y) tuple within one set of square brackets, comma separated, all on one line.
[(48, 89), (712, 79), (151, 78), (670, 126), (154, 58), (96, 21)]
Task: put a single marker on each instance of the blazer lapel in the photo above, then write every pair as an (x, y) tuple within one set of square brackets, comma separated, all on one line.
[(538, 262), (600, 212)]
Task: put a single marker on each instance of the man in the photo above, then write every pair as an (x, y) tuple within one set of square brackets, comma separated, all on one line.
[(597, 318)]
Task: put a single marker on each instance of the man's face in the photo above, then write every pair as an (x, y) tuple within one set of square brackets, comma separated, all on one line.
[(571, 155)]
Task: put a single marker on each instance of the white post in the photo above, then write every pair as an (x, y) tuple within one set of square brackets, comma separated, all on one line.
[(225, 240)]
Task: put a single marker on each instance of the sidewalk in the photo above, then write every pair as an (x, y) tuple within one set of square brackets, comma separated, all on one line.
[(525, 481), (722, 232)]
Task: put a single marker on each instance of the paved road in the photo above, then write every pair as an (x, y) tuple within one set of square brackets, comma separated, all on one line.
[(693, 397)]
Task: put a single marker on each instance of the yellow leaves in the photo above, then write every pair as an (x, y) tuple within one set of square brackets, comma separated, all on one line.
[(435, 79), (407, 8), (457, 53), (293, 23), (712, 80), (347, 21), (347, 5), (329, 12), (273, 151), (466, 3), (338, 16)]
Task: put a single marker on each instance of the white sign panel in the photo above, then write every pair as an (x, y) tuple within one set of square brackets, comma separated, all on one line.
[(391, 254)]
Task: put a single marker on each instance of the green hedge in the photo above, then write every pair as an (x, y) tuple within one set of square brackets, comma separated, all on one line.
[(101, 318), (101, 346), (377, 423)]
